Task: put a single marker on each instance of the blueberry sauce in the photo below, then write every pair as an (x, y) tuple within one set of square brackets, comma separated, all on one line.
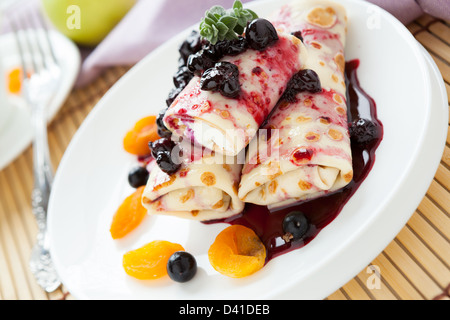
[(268, 225)]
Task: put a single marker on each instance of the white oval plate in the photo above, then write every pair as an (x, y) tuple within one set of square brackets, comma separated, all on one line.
[(92, 179), (17, 134)]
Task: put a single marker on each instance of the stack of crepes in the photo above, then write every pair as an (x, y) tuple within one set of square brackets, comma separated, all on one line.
[(306, 151), (215, 184)]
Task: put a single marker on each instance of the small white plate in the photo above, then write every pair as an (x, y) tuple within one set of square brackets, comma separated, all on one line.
[(17, 134), (92, 179)]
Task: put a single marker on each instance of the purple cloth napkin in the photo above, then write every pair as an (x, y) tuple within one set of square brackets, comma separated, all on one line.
[(147, 25), (150, 23), (408, 10)]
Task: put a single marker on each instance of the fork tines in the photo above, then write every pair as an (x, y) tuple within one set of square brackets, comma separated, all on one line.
[(32, 36)]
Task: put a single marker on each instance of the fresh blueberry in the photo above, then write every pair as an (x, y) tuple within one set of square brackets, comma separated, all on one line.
[(304, 80), (260, 34), (138, 177), (181, 266), (311, 81), (295, 224), (363, 132)]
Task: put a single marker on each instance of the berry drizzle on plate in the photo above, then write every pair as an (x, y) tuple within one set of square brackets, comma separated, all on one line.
[(367, 135)]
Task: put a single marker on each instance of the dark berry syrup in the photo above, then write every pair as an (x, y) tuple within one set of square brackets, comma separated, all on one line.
[(267, 224)]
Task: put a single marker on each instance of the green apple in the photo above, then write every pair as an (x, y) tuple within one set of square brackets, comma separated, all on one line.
[(87, 22)]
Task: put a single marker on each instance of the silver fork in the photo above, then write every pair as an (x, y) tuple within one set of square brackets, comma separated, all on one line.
[(41, 74)]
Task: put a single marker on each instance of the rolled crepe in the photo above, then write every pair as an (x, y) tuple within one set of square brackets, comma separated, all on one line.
[(204, 188), (226, 125), (305, 152)]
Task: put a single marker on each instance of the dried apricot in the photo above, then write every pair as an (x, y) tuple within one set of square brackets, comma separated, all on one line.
[(15, 81), (237, 252), (150, 261), (136, 140), (129, 215)]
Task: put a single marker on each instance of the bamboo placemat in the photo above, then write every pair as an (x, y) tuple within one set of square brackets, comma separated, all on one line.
[(414, 266)]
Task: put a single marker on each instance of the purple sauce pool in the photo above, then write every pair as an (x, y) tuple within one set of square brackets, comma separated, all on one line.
[(320, 212)]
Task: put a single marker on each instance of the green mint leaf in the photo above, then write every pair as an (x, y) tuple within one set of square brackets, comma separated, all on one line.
[(247, 15), (219, 24), (238, 5), (218, 11), (209, 21), (254, 15), (239, 29), (211, 16), (231, 35), (229, 21), (215, 35), (242, 21), (223, 29), (209, 32)]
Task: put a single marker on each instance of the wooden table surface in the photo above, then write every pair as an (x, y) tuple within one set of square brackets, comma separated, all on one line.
[(414, 266)]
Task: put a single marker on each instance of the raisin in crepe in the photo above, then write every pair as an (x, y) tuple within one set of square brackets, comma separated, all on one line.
[(306, 151)]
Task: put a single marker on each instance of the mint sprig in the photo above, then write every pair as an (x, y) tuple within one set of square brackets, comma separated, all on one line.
[(219, 24), (243, 16)]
